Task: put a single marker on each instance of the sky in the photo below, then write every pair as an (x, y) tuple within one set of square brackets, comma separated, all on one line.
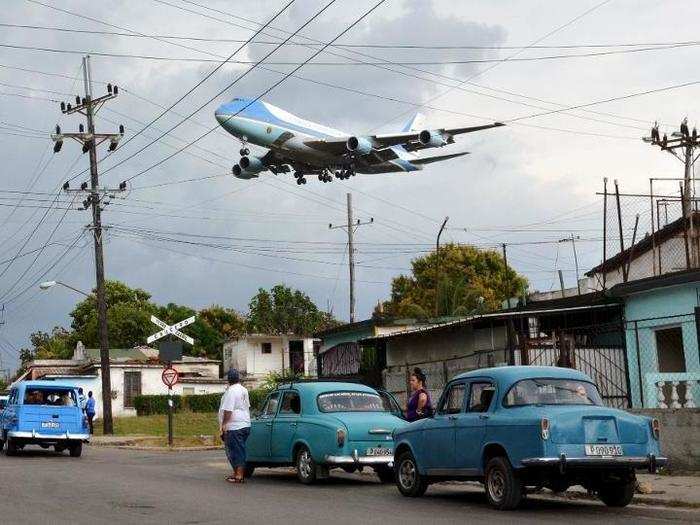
[(219, 239)]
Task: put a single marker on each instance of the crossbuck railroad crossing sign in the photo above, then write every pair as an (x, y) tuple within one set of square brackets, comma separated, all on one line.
[(171, 330)]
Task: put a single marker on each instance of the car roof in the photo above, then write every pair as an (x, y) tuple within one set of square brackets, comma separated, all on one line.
[(43, 384), (319, 387), (511, 374)]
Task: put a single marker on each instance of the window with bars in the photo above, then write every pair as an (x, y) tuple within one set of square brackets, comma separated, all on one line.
[(132, 388)]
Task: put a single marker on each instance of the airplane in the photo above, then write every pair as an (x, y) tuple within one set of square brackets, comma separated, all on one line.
[(309, 148)]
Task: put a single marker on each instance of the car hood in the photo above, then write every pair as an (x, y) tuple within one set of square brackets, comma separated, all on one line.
[(368, 426), (592, 424)]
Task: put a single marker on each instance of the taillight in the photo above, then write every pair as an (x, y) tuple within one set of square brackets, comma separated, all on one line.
[(544, 428), (655, 428), (340, 434)]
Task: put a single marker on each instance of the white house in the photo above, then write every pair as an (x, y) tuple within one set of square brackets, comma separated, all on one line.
[(256, 355), (133, 372)]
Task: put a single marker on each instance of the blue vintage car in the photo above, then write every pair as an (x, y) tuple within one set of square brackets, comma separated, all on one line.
[(44, 413), (316, 426), (523, 426)]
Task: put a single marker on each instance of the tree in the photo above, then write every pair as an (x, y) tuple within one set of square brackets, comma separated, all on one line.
[(471, 281), (286, 311)]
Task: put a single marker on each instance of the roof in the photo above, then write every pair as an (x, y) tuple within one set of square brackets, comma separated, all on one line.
[(667, 232), (652, 283), (39, 383), (510, 374), (319, 387), (140, 354), (367, 323)]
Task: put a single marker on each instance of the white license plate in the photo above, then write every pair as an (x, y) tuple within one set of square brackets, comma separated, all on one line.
[(49, 424), (380, 451), (603, 450)]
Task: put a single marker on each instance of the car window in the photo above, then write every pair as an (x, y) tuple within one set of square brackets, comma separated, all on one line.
[(545, 391), (50, 396), (270, 408), (481, 396), (453, 401), (291, 403), (389, 403)]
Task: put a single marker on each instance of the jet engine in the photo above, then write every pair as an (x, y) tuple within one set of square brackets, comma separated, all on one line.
[(240, 173), (359, 145), (431, 138), (251, 164)]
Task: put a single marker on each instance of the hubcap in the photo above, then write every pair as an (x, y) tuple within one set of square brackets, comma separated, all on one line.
[(496, 485), (407, 474), (305, 464)]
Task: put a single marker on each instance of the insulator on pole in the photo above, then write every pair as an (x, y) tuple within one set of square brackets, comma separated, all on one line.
[(77, 100), (121, 129), (63, 106), (83, 186), (81, 128), (109, 88), (66, 186)]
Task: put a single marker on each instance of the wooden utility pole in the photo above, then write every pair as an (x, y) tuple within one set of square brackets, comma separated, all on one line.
[(619, 226), (90, 140), (350, 227), (438, 264)]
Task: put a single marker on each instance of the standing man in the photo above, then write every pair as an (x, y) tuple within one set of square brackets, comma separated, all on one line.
[(234, 425), (90, 410), (82, 400)]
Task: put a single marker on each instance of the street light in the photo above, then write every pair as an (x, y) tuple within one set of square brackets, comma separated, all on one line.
[(50, 284)]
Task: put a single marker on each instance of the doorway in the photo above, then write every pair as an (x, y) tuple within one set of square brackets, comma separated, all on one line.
[(296, 357)]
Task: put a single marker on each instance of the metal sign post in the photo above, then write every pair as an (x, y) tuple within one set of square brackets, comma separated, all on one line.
[(170, 351)]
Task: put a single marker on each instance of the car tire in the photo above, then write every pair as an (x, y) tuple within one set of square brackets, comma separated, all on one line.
[(76, 450), (409, 481), (504, 490), (617, 494), (11, 447), (59, 449), (305, 466), (385, 474)]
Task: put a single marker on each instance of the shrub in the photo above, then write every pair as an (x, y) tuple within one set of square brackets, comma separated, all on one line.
[(203, 402), (149, 405)]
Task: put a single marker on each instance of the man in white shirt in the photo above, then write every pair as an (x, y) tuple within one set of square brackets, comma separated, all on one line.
[(234, 425)]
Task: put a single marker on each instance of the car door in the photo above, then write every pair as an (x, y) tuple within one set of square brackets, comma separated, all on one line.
[(470, 427), (439, 431), (261, 429), (284, 426)]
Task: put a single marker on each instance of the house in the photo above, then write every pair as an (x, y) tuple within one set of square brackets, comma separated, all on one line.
[(133, 372), (661, 329), (257, 355)]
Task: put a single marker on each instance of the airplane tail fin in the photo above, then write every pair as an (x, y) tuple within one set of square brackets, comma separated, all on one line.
[(428, 160), (415, 123)]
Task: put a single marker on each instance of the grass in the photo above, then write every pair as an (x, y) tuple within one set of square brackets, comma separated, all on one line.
[(185, 425)]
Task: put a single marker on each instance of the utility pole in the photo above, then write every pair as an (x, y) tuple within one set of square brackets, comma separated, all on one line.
[(619, 227), (572, 240), (438, 264), (350, 227), (90, 140), (505, 264)]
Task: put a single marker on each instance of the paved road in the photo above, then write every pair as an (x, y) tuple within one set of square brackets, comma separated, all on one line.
[(124, 486)]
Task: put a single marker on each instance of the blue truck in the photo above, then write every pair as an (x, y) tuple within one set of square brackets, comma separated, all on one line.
[(43, 413)]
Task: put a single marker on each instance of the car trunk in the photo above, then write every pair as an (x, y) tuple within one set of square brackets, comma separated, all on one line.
[(599, 425), (364, 426)]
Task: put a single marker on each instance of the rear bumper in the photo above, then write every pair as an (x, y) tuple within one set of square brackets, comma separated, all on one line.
[(38, 436), (649, 462), (356, 459)]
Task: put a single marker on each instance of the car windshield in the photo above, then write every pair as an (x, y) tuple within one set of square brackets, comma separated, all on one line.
[(350, 402), (552, 392)]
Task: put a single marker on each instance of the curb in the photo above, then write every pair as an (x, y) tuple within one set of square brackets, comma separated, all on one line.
[(123, 446)]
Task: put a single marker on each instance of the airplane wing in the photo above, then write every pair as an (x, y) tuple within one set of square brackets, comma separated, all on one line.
[(410, 140), (428, 160)]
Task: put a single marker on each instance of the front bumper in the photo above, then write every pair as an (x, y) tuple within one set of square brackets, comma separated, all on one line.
[(356, 459), (649, 462), (34, 435)]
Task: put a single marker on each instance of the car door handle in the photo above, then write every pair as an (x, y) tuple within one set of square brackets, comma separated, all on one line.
[(268, 424), (292, 424), (453, 418), (483, 416)]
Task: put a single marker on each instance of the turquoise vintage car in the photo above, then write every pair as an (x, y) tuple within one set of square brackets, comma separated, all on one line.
[(516, 427), (316, 426)]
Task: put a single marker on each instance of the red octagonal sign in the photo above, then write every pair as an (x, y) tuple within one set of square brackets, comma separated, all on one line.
[(169, 377)]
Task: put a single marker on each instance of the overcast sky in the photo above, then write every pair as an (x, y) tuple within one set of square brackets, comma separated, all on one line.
[(541, 171)]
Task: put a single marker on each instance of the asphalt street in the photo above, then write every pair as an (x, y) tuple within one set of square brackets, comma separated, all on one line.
[(127, 486)]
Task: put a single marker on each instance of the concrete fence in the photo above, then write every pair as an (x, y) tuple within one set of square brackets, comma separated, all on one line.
[(680, 435)]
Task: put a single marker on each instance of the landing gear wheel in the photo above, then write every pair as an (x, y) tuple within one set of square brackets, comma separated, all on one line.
[(305, 466), (244, 151), (321, 178), (303, 180), (12, 448), (503, 489), (617, 494), (409, 481), (385, 474), (76, 450), (299, 182)]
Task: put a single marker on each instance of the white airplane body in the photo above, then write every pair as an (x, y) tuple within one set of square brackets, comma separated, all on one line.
[(309, 148)]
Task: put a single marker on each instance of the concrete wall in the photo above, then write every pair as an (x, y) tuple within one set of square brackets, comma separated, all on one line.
[(679, 435), (246, 355), (653, 310)]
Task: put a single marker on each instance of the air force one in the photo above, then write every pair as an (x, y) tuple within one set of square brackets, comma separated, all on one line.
[(308, 148)]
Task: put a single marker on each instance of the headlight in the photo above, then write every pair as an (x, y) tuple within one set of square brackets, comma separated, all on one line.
[(341, 435), (544, 428), (655, 428)]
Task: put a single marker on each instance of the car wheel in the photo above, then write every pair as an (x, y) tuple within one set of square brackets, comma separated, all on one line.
[(248, 470), (11, 449), (306, 466), (617, 494), (76, 450), (59, 449), (409, 481), (503, 489), (385, 474)]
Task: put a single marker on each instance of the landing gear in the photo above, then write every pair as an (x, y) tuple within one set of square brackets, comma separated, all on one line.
[(244, 151), (325, 177), (299, 176), (344, 174)]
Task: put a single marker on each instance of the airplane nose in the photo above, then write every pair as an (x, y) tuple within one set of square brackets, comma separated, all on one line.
[(221, 114)]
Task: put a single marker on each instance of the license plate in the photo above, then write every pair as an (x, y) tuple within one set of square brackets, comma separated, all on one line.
[(380, 451), (49, 424), (603, 450)]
